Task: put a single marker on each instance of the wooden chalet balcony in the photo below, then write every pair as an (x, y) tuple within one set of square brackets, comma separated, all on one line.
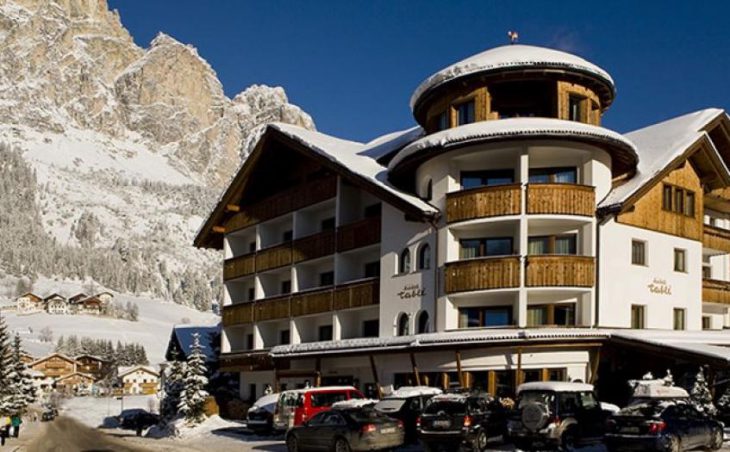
[(560, 270), (561, 199), (239, 266), (355, 294), (274, 257), (483, 202), (361, 233), (716, 238), (482, 274), (715, 291), (313, 246), (246, 361), (283, 203)]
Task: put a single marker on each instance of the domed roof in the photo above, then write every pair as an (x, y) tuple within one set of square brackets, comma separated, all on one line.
[(514, 57)]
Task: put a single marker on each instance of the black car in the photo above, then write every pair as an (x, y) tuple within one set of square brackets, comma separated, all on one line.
[(466, 419), (406, 404), (137, 420), (663, 426), (260, 417), (49, 414), (344, 430)]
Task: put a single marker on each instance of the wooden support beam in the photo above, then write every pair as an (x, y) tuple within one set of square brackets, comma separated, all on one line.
[(219, 229), (233, 208), (374, 369), (595, 362), (318, 375), (277, 385), (415, 370), (458, 368), (518, 375)]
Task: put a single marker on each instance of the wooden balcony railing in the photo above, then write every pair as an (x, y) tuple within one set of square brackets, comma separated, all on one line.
[(274, 257), (245, 361), (239, 266), (560, 270), (482, 274), (313, 246), (351, 295), (561, 199), (715, 291), (716, 238), (284, 202), (482, 202), (361, 233)]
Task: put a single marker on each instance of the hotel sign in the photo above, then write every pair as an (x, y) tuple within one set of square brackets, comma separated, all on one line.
[(660, 287), (411, 291)]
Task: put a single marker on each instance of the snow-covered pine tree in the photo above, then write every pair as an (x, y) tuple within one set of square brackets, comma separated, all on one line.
[(701, 396), (21, 384), (6, 370), (669, 378), (723, 403), (171, 392), (192, 400)]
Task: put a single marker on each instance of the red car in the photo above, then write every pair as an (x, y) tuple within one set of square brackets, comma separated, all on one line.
[(300, 405)]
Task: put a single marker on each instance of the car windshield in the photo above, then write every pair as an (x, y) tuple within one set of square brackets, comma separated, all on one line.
[(527, 397), (448, 407), (390, 405), (648, 408)]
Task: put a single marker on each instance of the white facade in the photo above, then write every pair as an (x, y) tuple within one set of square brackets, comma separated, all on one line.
[(57, 305), (140, 380)]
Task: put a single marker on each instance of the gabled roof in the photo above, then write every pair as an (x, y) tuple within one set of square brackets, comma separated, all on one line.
[(663, 146), (350, 159), (94, 357), (182, 338), (82, 374), (53, 295), (128, 370), (31, 295), (77, 297), (47, 357)]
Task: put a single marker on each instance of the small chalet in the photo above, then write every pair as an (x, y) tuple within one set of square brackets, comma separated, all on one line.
[(26, 358), (76, 383), (105, 297), (91, 306), (92, 365), (75, 302), (56, 304), (181, 342), (139, 380), (55, 365), (28, 303)]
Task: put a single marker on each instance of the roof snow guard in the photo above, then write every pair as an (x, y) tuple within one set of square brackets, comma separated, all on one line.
[(622, 150), (513, 58)]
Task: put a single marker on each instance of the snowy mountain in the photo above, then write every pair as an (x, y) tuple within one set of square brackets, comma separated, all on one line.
[(110, 154)]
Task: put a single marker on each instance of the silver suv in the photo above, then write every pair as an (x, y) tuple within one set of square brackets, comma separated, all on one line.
[(556, 414)]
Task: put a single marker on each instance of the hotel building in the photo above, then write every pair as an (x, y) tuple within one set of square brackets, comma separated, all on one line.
[(508, 237)]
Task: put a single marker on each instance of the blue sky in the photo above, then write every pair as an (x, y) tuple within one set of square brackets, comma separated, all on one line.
[(353, 65)]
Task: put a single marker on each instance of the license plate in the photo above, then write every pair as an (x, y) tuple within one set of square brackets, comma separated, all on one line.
[(442, 424), (387, 430), (630, 430)]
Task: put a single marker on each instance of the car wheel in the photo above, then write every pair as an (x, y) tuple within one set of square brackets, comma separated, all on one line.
[(567, 440), (480, 442), (673, 444), (341, 445), (718, 437), (292, 445)]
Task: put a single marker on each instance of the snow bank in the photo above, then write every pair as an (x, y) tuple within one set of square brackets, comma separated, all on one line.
[(179, 428)]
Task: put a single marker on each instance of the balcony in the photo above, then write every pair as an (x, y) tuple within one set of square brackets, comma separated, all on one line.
[(561, 199), (274, 257), (482, 274), (715, 291), (313, 246), (483, 202), (283, 203), (344, 296), (245, 361), (239, 266), (560, 271), (359, 234), (716, 238)]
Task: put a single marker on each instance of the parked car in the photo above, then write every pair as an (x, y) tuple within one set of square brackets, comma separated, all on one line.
[(663, 425), (260, 417), (556, 414), (137, 419), (406, 404), (299, 405), (346, 428), (468, 419), (49, 414)]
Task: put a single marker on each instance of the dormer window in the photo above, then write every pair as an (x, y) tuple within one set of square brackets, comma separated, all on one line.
[(465, 113), (575, 108)]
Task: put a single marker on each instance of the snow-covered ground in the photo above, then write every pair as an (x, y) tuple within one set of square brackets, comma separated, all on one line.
[(156, 319), (91, 411)]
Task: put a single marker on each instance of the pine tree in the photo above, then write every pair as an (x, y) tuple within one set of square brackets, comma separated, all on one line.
[(23, 390), (6, 371), (701, 396), (174, 383), (192, 400), (723, 404)]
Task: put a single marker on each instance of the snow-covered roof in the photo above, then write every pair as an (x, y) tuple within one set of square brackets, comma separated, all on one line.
[(659, 391), (541, 128), (659, 145), (511, 57), (82, 374), (711, 344), (123, 371), (47, 357), (267, 402), (557, 386), (380, 148), (351, 156), (183, 334), (353, 404), (412, 391)]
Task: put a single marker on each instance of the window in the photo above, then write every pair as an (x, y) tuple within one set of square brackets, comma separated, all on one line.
[(678, 200), (680, 264), (422, 322), (575, 108), (679, 319), (252, 247), (251, 294), (424, 257), (284, 337), (328, 224), (638, 252), (327, 278), (373, 210), (249, 342), (555, 244), (325, 333), (464, 113), (472, 179), (287, 236), (499, 246), (402, 325), (286, 286), (565, 175), (637, 317), (404, 265), (372, 269), (667, 197), (706, 322), (479, 317), (371, 328), (442, 121), (560, 315), (689, 204)]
